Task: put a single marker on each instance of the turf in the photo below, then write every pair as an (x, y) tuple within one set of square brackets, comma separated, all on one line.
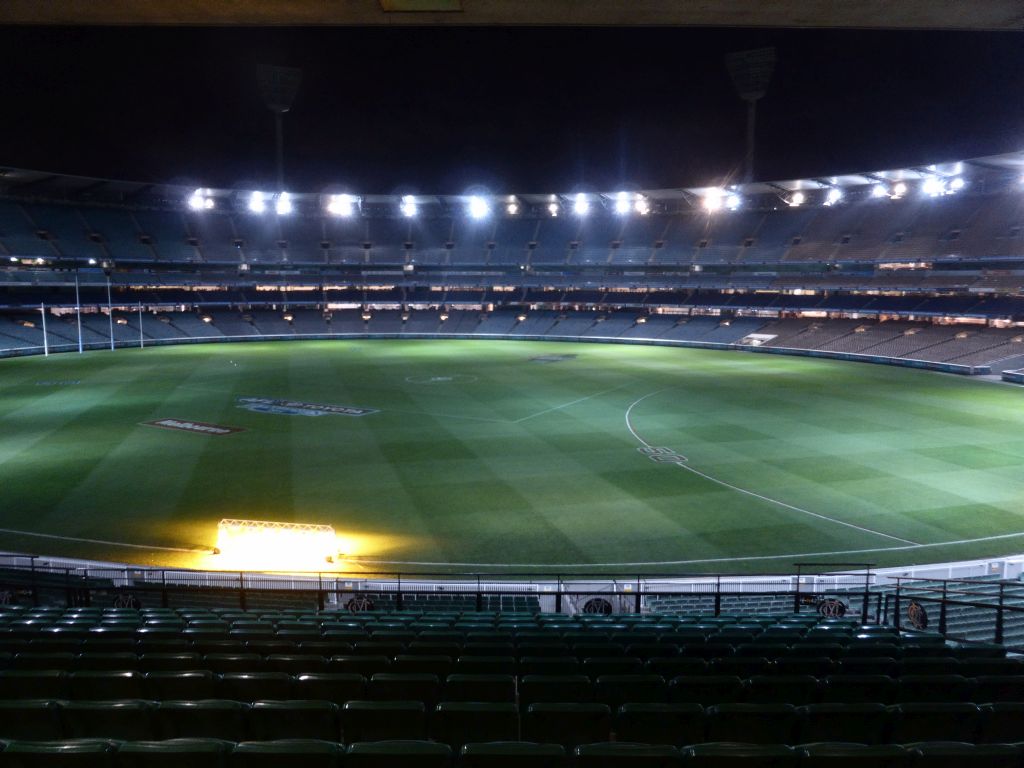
[(480, 455)]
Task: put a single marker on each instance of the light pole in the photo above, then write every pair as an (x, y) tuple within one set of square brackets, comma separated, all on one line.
[(278, 85), (751, 71)]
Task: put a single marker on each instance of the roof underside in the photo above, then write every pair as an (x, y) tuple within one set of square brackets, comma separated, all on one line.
[(865, 14)]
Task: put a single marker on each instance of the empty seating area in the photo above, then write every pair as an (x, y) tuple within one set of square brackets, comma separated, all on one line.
[(164, 686)]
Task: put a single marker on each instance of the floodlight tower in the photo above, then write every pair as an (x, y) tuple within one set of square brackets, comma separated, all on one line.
[(751, 72), (279, 86)]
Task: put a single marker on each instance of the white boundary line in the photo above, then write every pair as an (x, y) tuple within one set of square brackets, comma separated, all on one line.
[(732, 487), (13, 532)]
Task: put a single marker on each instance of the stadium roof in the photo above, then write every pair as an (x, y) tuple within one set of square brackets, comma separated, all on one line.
[(865, 14), (21, 183)]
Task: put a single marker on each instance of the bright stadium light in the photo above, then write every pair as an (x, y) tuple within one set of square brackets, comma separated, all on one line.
[(257, 202), (712, 200), (642, 206), (879, 190), (341, 205), (622, 202), (283, 204), (200, 200), (933, 186), (733, 201), (899, 190), (553, 209), (834, 196), (581, 206), (478, 207), (92, 262), (269, 546), (512, 208), (956, 184), (408, 206), (798, 198)]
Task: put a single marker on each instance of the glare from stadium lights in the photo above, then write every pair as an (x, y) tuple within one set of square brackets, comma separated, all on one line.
[(553, 209), (642, 206), (956, 184), (834, 196), (408, 206), (581, 206), (712, 200), (199, 201), (283, 204), (257, 202), (797, 198), (14, 259), (512, 208), (92, 262), (269, 546), (478, 207), (879, 190), (341, 205), (933, 187), (622, 203), (733, 201), (899, 190)]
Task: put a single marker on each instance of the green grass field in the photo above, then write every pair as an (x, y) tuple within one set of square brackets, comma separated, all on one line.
[(480, 455)]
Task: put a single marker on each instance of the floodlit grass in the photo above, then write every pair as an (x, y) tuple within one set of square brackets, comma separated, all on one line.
[(479, 455)]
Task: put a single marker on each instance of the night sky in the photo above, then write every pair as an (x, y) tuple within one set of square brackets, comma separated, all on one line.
[(526, 110)]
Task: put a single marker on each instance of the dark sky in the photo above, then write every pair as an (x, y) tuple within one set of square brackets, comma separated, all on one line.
[(438, 110)]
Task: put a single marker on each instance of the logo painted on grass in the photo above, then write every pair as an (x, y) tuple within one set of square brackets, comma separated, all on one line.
[(662, 455), (551, 358), (297, 408), (198, 427)]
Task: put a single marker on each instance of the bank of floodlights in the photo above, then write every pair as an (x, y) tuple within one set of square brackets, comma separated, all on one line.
[(797, 199), (580, 205), (712, 200), (879, 190), (341, 205), (833, 196), (553, 209), (257, 202), (283, 204), (641, 205), (622, 203), (200, 200), (408, 206), (478, 207), (512, 207)]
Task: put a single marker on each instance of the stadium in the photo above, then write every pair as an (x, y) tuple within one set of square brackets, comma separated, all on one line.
[(710, 475)]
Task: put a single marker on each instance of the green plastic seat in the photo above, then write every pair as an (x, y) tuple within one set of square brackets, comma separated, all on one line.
[(399, 754), (308, 719), (538, 689), (166, 686), (860, 723), (287, 753), (752, 723), (945, 721), (174, 753), (494, 688), (567, 724), (72, 753), (30, 720), (615, 690), (740, 755), (846, 755), (252, 686), (383, 720), (125, 719), (946, 754), (627, 755), (393, 686), (459, 722), (105, 685), (33, 684), (206, 719), (512, 754), (676, 724), (337, 687)]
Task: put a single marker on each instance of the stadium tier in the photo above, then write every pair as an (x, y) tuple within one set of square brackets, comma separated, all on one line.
[(917, 265)]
